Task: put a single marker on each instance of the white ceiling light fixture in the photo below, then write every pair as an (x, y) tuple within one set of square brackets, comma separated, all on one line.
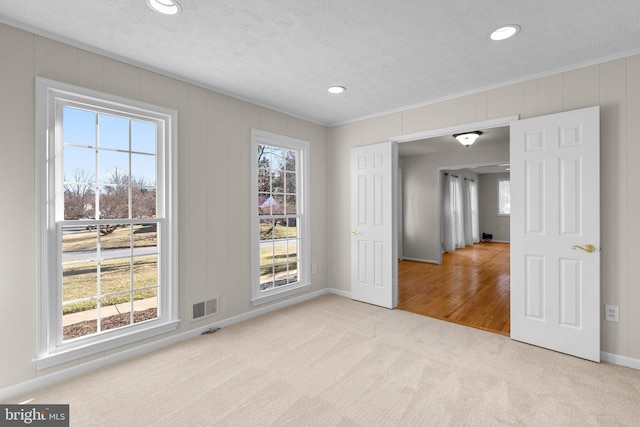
[(337, 89), (467, 138), (165, 7), (505, 32)]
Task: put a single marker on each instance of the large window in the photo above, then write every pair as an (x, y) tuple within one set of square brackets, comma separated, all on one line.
[(106, 221), (280, 216), (504, 196)]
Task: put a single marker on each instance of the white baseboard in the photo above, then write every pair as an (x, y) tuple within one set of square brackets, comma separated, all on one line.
[(429, 261), (83, 368), (340, 292), (615, 359)]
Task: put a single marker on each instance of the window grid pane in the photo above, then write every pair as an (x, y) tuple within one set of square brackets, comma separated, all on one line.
[(107, 270), (110, 273), (277, 208)]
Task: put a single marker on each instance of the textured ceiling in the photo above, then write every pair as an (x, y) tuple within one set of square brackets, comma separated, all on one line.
[(388, 53)]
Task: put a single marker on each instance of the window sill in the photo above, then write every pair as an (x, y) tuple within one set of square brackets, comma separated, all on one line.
[(273, 296), (69, 354)]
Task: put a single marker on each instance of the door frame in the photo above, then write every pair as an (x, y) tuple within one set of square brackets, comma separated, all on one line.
[(399, 212)]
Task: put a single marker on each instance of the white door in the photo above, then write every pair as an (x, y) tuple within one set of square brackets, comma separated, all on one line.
[(555, 210), (373, 246)]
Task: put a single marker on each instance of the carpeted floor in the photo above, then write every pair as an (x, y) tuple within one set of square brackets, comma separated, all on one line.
[(335, 362)]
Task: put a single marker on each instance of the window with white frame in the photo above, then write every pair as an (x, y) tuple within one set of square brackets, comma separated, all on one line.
[(280, 217), (106, 221), (504, 196)]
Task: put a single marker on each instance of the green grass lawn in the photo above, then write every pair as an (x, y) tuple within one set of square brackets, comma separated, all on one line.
[(143, 235), (277, 256), (275, 259), (280, 231), (79, 280)]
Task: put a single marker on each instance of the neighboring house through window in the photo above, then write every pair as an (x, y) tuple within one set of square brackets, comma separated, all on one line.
[(106, 221), (280, 220)]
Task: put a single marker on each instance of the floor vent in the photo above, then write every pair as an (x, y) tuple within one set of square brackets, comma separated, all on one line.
[(205, 308)]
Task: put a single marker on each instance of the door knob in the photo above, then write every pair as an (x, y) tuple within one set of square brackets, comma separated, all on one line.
[(354, 232), (587, 248)]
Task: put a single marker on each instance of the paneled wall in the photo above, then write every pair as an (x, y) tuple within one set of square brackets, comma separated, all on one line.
[(214, 184), (615, 86)]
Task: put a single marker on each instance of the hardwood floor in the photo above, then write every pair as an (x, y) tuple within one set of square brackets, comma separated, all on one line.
[(470, 287)]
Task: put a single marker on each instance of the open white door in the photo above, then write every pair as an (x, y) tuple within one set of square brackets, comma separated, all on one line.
[(555, 210), (373, 245)]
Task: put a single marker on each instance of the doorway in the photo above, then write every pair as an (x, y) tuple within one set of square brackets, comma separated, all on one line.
[(555, 303), (471, 285)]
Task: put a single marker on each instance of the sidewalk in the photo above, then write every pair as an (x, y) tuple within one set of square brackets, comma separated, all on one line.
[(110, 310)]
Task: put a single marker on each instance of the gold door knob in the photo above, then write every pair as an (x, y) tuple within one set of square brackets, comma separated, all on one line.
[(354, 232), (587, 248)]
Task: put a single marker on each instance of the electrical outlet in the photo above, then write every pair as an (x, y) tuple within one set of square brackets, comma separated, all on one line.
[(314, 269), (611, 313)]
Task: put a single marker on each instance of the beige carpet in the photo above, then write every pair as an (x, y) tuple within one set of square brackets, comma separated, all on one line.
[(335, 362)]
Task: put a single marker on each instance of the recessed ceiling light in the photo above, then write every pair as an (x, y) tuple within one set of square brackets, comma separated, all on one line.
[(337, 89), (505, 32), (165, 7)]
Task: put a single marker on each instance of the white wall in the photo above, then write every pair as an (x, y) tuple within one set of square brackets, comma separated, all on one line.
[(420, 198), (490, 221), (615, 86), (214, 185)]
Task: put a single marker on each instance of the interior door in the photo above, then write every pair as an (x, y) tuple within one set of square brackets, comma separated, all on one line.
[(555, 232), (374, 264)]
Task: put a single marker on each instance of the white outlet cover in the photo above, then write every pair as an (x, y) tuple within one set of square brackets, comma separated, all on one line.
[(611, 313)]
